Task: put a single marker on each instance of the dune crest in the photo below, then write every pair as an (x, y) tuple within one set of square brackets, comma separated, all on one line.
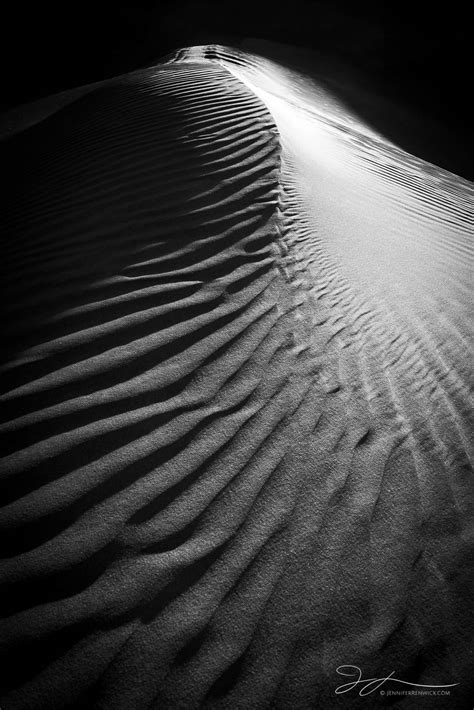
[(235, 398)]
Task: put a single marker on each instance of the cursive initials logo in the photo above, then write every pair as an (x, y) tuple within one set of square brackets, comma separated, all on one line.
[(369, 685)]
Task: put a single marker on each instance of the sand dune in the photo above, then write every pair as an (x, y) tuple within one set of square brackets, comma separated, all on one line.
[(235, 398)]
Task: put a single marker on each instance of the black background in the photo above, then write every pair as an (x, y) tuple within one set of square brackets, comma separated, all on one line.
[(414, 53)]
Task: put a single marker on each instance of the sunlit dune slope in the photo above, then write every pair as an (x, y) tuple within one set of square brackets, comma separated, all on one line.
[(235, 409)]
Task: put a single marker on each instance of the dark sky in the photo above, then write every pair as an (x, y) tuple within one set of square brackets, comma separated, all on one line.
[(419, 54)]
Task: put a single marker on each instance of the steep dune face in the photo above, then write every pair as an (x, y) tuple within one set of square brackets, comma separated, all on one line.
[(235, 399)]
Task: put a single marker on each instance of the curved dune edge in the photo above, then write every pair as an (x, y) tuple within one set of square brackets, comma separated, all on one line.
[(229, 314)]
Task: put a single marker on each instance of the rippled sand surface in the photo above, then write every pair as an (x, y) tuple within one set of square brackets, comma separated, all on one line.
[(235, 409)]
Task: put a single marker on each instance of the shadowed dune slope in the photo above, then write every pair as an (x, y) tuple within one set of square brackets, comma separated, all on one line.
[(235, 399)]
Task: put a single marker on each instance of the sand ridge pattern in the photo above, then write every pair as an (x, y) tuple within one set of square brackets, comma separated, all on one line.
[(234, 399)]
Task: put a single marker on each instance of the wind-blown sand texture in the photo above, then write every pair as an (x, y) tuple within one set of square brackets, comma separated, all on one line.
[(235, 410)]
